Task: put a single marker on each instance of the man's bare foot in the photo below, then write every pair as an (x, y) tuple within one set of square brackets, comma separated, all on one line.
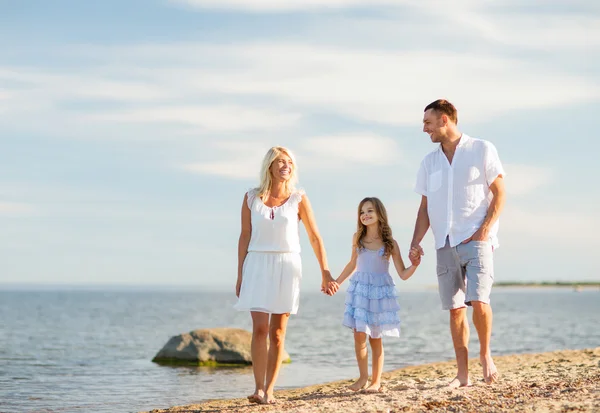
[(359, 384), (456, 383), (268, 399), (490, 372), (256, 397), (374, 388)]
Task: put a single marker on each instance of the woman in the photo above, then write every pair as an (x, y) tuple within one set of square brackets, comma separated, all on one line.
[(269, 266)]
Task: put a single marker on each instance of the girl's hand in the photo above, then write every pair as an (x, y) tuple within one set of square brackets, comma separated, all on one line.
[(332, 288), (328, 284), (415, 258)]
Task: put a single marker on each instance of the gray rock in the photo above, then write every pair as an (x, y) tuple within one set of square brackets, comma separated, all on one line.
[(209, 347)]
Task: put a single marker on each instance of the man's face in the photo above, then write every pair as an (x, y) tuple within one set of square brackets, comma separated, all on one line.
[(434, 125)]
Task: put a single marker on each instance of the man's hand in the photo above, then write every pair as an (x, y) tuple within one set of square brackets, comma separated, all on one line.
[(481, 234), (414, 257), (328, 285), (416, 250)]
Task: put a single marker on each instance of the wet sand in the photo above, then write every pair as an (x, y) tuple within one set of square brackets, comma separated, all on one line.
[(560, 381)]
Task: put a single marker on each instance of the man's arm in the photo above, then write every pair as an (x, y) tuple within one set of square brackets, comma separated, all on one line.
[(421, 226), (494, 211)]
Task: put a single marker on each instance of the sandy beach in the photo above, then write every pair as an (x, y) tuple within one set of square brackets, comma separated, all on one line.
[(560, 381)]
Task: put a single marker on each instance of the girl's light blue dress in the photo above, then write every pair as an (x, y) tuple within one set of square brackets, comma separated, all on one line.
[(371, 299)]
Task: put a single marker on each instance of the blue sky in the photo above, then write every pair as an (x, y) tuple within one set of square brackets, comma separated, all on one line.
[(130, 130)]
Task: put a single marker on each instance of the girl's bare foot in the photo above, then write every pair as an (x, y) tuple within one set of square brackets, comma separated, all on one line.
[(375, 387), (256, 397), (359, 384)]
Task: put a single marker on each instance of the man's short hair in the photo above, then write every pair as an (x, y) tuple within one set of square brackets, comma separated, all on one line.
[(443, 107)]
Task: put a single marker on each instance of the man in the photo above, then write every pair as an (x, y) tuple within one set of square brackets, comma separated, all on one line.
[(462, 189)]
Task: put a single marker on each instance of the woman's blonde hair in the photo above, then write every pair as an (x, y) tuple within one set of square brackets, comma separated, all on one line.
[(385, 232), (266, 179)]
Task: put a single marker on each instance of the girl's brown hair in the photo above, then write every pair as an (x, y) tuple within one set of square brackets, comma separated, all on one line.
[(385, 232)]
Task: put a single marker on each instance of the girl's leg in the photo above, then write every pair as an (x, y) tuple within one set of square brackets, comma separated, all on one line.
[(260, 331), (276, 344), (377, 354), (362, 358)]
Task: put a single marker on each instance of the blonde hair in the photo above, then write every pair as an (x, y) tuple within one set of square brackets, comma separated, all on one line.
[(264, 189), (385, 232)]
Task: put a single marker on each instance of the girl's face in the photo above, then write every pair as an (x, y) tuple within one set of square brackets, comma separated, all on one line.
[(281, 168), (368, 215)]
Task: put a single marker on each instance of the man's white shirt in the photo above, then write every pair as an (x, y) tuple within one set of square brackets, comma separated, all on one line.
[(458, 194)]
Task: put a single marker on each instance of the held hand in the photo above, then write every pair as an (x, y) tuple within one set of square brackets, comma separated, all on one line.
[(332, 288), (328, 284), (416, 251), (415, 258)]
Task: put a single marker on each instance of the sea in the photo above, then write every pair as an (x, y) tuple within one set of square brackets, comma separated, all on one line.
[(90, 350)]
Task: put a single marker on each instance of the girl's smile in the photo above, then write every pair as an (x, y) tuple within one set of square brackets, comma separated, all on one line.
[(367, 214)]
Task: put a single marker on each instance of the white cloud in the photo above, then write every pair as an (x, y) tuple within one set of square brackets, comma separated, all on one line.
[(549, 225), (389, 86), (283, 5), (365, 148), (241, 159), (16, 209), (237, 169), (214, 118), (237, 160), (547, 32), (524, 179), (63, 86)]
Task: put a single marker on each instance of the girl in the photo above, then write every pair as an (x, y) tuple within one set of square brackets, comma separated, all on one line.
[(371, 306), (269, 266)]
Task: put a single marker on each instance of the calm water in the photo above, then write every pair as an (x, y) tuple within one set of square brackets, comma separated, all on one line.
[(74, 351)]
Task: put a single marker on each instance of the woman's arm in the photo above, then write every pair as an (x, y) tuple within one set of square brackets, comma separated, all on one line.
[(403, 272), (349, 268), (243, 242), (328, 284)]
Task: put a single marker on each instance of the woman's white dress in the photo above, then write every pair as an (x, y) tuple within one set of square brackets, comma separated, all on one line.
[(272, 270)]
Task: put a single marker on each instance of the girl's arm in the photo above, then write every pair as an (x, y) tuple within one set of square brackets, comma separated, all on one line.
[(243, 242), (349, 268), (328, 284), (403, 272)]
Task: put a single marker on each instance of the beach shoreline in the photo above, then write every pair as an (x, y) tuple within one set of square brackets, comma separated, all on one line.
[(559, 381)]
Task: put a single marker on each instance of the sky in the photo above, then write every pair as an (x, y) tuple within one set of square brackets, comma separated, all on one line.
[(130, 130)]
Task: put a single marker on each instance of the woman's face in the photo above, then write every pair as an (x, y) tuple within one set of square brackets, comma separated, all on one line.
[(282, 167), (368, 215)]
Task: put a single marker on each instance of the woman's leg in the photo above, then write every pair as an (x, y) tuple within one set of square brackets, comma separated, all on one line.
[(260, 331), (362, 358), (377, 354), (277, 331)]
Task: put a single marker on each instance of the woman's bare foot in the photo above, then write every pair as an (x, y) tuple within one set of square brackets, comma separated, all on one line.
[(268, 399), (256, 397), (375, 387), (490, 372), (359, 384), (456, 383)]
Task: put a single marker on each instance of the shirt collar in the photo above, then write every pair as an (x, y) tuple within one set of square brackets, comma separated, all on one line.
[(462, 142)]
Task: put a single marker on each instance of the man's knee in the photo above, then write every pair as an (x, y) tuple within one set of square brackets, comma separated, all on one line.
[(458, 314), (480, 306)]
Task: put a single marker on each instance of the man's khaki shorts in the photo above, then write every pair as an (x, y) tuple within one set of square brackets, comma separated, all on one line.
[(465, 273)]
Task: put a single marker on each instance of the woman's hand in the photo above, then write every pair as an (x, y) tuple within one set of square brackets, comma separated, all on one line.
[(238, 286)]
